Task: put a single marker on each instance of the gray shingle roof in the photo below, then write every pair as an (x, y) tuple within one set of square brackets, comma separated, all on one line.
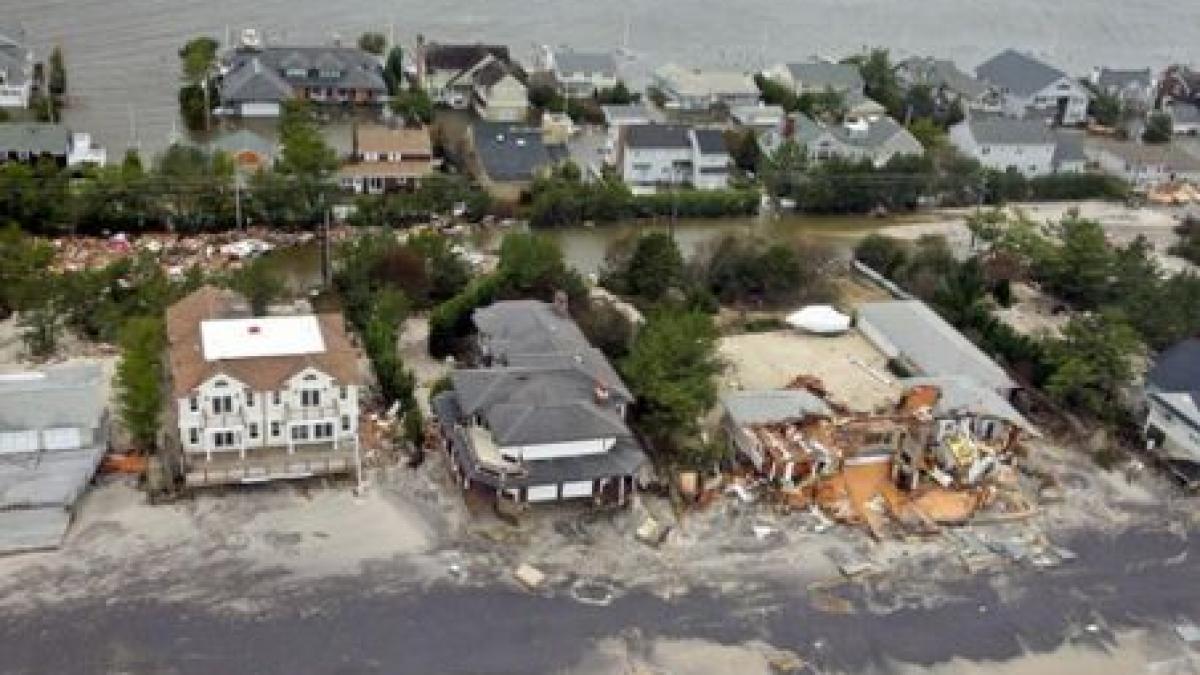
[(996, 130), (37, 139), (1114, 79), (657, 136), (456, 57), (568, 61), (354, 67), (1178, 368), (878, 131), (252, 81), (931, 344), (621, 113), (820, 75), (711, 141), (510, 151), (772, 406), (514, 424), (1017, 72), (943, 73), (65, 396)]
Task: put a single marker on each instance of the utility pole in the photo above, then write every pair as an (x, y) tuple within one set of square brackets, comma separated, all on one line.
[(237, 199), (326, 271)]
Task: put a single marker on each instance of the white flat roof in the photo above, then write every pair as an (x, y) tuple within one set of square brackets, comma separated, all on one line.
[(261, 336)]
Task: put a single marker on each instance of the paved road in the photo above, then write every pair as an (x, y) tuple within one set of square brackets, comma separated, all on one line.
[(1135, 579)]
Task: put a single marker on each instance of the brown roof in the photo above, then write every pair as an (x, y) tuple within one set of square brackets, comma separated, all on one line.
[(189, 368), (380, 138), (404, 169)]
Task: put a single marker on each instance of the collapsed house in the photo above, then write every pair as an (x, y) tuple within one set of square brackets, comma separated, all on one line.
[(937, 458)]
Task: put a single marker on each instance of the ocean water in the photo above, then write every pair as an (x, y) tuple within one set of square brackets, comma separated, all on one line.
[(123, 67)]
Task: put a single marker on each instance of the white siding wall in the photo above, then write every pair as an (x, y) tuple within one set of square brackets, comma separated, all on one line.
[(1182, 441), (592, 446), (267, 411), (643, 168)]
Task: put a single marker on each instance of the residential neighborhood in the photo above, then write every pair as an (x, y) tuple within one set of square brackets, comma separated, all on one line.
[(704, 360)]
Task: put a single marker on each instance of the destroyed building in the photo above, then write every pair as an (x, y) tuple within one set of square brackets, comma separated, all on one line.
[(934, 459)]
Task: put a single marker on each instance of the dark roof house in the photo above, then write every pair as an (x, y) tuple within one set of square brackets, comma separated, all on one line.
[(510, 152), (543, 417)]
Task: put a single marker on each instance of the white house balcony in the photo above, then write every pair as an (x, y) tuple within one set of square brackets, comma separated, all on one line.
[(331, 411)]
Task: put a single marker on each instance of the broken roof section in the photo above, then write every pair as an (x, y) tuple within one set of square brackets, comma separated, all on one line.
[(962, 396), (774, 406)]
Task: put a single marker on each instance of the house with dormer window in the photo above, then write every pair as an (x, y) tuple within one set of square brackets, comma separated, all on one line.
[(256, 82), (260, 398)]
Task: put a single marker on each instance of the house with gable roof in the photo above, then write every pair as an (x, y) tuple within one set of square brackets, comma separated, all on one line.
[(256, 82), (542, 417), (1028, 87), (256, 399), (16, 68)]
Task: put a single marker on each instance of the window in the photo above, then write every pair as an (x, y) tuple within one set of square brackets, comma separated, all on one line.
[(222, 404), (193, 403), (253, 430), (275, 398), (343, 391), (345, 423), (193, 436), (249, 394), (223, 439), (310, 398), (300, 433), (275, 429), (323, 430)]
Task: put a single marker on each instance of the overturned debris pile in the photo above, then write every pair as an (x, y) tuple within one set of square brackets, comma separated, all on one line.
[(942, 456)]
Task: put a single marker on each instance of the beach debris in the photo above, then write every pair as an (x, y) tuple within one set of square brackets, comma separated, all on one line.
[(651, 532), (530, 577)]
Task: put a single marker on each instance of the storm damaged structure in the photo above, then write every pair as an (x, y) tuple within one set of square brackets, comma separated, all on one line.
[(542, 416), (943, 453)]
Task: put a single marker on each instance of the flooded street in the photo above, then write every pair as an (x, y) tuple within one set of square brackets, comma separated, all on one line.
[(123, 68)]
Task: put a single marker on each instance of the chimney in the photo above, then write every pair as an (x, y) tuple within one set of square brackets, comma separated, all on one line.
[(601, 393), (560, 304)]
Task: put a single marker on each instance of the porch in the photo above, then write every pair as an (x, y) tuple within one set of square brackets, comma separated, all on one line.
[(272, 463)]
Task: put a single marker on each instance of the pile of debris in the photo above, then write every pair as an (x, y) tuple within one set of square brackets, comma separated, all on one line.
[(944, 456)]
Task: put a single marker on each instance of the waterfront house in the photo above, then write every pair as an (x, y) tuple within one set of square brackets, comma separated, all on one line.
[(542, 416), (818, 77), (914, 337), (653, 156), (497, 89), (1007, 143), (1027, 87), (616, 118), (1180, 83), (697, 89), (580, 74), (877, 139), (1143, 165), (256, 82), (54, 431), (387, 158), (1135, 89), (1185, 117), (264, 398), (438, 65), (947, 83), (30, 143), (506, 157), (16, 68)]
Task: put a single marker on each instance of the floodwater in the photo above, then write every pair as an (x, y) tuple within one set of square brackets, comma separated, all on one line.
[(584, 248), (123, 68)]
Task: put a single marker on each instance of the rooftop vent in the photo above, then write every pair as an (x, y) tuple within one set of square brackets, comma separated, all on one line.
[(253, 330)]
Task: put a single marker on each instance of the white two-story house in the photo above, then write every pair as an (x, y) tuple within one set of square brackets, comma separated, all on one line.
[(653, 156), (580, 74), (498, 93), (261, 398), (1027, 87), (1004, 143)]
